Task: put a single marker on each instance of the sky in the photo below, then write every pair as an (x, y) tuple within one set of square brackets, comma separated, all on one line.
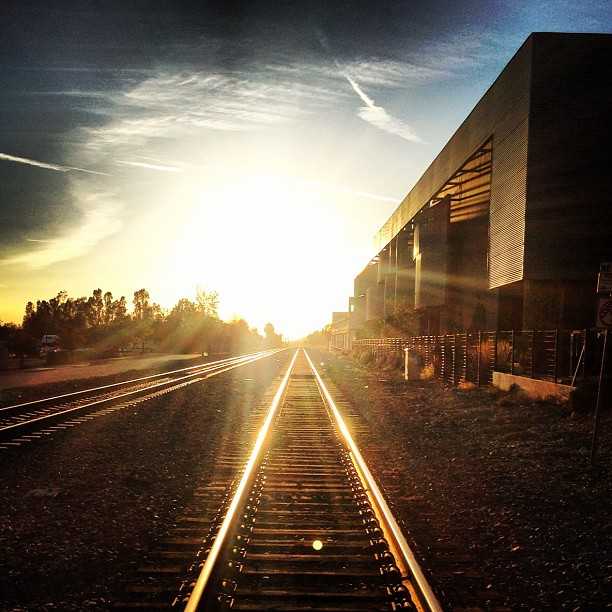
[(252, 148)]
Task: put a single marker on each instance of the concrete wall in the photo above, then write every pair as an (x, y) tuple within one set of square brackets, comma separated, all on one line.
[(537, 389)]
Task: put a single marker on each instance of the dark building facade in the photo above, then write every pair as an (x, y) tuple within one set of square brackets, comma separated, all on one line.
[(508, 226)]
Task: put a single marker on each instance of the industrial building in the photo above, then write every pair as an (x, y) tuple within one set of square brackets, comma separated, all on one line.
[(508, 226)]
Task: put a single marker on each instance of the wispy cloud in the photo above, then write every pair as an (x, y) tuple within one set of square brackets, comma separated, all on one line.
[(45, 165), (171, 105), (469, 49), (160, 115), (177, 165), (390, 73), (182, 165), (99, 222), (174, 105), (89, 243), (261, 98), (373, 71)]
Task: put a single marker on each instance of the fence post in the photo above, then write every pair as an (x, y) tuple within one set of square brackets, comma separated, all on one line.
[(512, 339), (556, 355), (533, 341), (494, 355), (478, 358), (602, 371)]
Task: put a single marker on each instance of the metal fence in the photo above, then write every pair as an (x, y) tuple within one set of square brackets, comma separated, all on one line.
[(554, 355)]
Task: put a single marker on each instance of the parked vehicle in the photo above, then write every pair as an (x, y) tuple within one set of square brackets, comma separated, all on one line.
[(49, 344)]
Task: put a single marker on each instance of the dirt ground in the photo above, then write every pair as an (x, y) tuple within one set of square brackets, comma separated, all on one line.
[(81, 508), (35, 371), (497, 493)]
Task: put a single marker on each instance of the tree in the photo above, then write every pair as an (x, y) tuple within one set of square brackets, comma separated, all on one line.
[(142, 307), (208, 302), (273, 340), (29, 320), (16, 340), (103, 323), (237, 338), (184, 310), (147, 317), (96, 309), (179, 332), (75, 321), (115, 311), (320, 338), (61, 315)]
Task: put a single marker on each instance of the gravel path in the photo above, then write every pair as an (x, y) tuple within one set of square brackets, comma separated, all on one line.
[(36, 372)]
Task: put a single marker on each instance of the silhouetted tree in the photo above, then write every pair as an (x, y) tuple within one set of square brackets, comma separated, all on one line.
[(147, 319), (103, 323), (320, 338), (142, 308), (95, 309), (273, 340), (16, 340), (237, 338), (208, 302)]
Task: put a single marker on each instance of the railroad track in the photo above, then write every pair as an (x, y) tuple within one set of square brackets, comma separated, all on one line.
[(22, 423), (298, 525)]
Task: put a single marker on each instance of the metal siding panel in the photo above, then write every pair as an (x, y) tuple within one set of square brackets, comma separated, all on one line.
[(503, 113), (432, 247), (569, 208), (507, 209), (375, 302), (508, 194)]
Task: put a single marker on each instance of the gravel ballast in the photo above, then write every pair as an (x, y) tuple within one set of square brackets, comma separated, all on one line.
[(506, 485), (81, 507), (503, 484)]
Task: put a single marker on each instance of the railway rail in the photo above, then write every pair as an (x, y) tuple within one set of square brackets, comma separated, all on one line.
[(298, 525), (20, 423)]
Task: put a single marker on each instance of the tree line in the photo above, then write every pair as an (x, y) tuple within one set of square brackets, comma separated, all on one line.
[(103, 324)]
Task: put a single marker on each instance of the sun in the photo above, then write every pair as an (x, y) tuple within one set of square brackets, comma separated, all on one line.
[(272, 247)]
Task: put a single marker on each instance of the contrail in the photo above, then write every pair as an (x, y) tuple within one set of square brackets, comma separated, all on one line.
[(378, 116), (59, 241), (181, 165), (363, 194), (373, 114), (358, 90), (150, 166), (297, 181), (45, 165)]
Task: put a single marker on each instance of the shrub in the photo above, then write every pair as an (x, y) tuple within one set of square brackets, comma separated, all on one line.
[(362, 355), (428, 372), (584, 397), (504, 354), (391, 361)]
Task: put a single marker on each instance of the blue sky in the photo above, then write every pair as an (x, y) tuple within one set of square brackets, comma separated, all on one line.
[(252, 148)]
